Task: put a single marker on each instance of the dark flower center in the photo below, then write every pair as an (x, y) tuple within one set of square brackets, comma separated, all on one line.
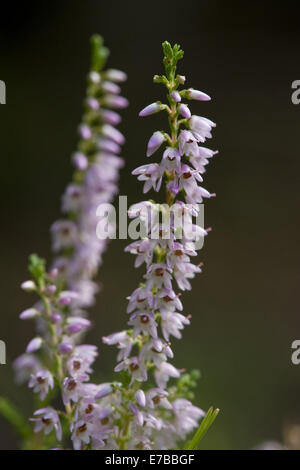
[(71, 385), (159, 272)]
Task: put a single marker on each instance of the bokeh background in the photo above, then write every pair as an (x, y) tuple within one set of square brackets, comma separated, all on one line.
[(245, 305)]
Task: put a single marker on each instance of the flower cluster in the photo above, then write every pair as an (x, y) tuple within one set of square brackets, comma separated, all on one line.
[(97, 163), (143, 411), (53, 360)]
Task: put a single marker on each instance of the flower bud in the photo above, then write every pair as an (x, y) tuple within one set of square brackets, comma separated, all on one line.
[(93, 104), (197, 95), (106, 390), (110, 87), (155, 142), (181, 79), (184, 111), (110, 117), (176, 96), (80, 161), (34, 345), (55, 318), (65, 348), (50, 290), (77, 324), (28, 286), (95, 77), (116, 75), (85, 132), (113, 134), (150, 109), (29, 313), (140, 398), (116, 101)]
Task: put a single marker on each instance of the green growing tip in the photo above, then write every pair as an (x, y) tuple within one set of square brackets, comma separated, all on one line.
[(36, 267), (171, 57), (99, 53)]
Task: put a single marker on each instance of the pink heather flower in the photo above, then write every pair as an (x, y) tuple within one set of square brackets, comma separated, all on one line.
[(197, 95), (200, 160), (154, 143), (34, 345), (79, 363), (95, 77), (110, 87), (156, 351), (151, 174), (93, 103), (188, 144), (201, 127), (65, 348), (163, 374), (29, 313), (26, 365), (67, 296), (140, 298), (72, 390), (72, 199), (77, 324), (135, 367), (184, 111), (50, 290), (152, 108), (108, 145), (56, 318), (85, 132), (175, 96), (158, 397), (116, 75), (80, 161), (123, 342), (140, 398), (172, 323), (47, 419), (41, 382), (143, 322), (189, 179), (159, 275), (187, 415), (105, 389), (64, 234), (28, 286), (110, 117), (171, 159), (144, 251), (116, 101), (138, 415), (81, 434), (113, 134), (168, 300)]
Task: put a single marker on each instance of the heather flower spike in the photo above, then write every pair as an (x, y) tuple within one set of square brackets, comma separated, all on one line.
[(54, 362), (144, 409), (149, 405)]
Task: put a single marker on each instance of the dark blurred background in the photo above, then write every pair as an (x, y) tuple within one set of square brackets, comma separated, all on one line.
[(245, 305)]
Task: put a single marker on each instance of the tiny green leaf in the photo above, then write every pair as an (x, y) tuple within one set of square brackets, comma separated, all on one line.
[(167, 48), (203, 428)]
